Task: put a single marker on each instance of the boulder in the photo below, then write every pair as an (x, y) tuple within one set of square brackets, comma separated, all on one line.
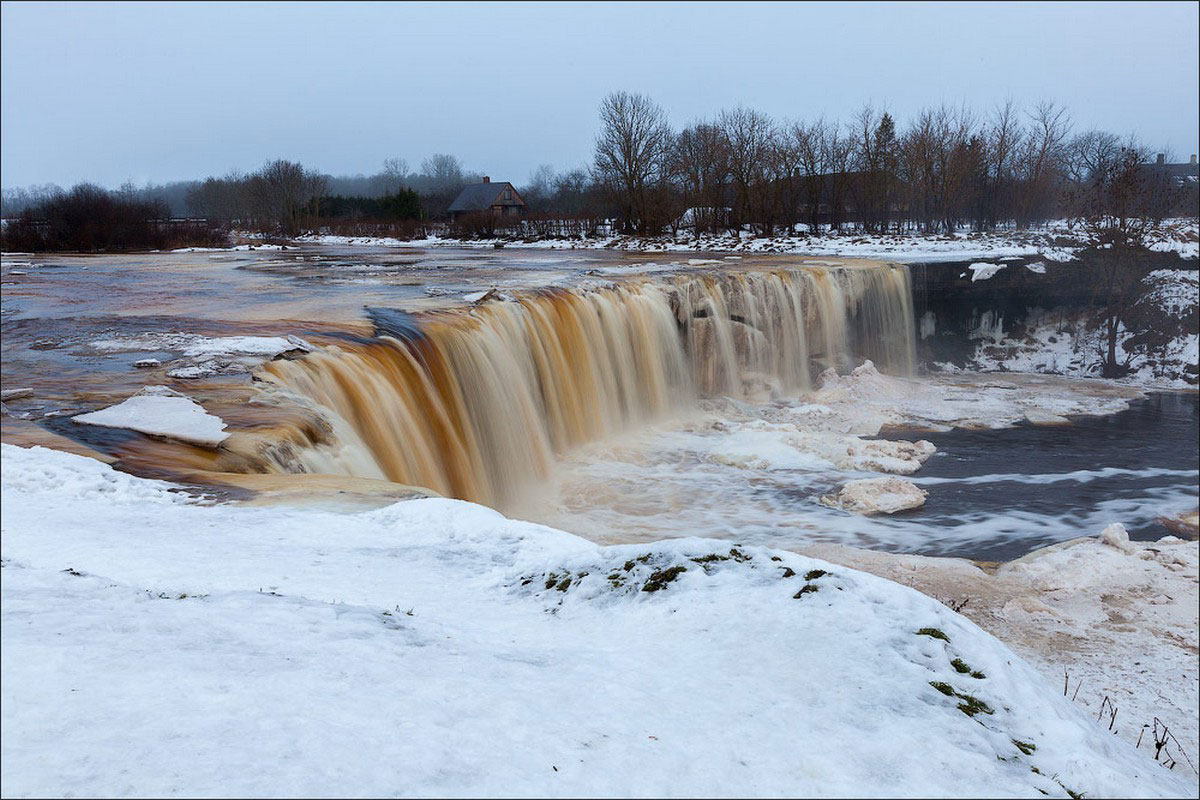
[(1185, 524)]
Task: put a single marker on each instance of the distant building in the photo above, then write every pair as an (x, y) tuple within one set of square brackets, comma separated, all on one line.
[(1185, 177), (1183, 174), (499, 198)]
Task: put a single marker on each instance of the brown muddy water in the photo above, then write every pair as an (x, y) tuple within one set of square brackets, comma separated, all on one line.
[(575, 404)]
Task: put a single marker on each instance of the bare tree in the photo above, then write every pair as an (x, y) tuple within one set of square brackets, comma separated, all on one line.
[(444, 171), (631, 155), (1001, 136), (750, 136), (396, 170), (286, 192), (876, 158), (701, 155), (539, 190), (839, 152), (811, 144), (1041, 162), (1118, 204)]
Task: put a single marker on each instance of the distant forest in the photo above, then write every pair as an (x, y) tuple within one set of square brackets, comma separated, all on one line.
[(741, 171)]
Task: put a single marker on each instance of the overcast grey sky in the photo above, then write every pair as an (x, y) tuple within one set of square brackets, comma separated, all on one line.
[(110, 92)]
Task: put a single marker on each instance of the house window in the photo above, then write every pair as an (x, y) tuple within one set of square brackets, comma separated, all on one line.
[(508, 194)]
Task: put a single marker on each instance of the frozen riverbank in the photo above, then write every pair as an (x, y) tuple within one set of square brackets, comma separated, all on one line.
[(1057, 241), (157, 645)]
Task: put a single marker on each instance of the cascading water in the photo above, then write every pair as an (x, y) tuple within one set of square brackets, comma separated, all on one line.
[(477, 403)]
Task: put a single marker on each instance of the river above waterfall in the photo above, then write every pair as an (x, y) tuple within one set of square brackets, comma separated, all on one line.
[(612, 429)]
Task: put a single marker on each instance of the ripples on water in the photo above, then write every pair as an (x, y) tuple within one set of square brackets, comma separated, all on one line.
[(993, 494)]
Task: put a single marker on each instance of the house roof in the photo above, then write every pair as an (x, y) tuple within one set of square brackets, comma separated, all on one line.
[(482, 196)]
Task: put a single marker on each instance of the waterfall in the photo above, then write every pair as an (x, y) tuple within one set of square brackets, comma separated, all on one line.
[(477, 403)]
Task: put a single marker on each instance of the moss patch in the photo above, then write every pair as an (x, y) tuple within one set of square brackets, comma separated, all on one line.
[(807, 588), (972, 705), (964, 668), (936, 633), (659, 580)]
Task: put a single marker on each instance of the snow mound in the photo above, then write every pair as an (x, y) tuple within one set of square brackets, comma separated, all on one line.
[(436, 646), (161, 411), (60, 476), (1175, 291), (982, 270)]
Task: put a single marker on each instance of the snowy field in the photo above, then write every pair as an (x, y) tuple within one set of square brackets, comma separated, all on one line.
[(155, 644)]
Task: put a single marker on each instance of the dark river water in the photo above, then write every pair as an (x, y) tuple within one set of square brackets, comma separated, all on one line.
[(1016, 489)]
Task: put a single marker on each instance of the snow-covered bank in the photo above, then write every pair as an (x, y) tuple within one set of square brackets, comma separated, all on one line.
[(1164, 353), (153, 645), (1101, 617), (1056, 241)]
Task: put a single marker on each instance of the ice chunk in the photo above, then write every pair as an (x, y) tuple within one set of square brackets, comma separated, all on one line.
[(161, 411)]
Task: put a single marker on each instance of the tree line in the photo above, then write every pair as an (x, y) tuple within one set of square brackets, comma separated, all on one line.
[(947, 168), (944, 169)]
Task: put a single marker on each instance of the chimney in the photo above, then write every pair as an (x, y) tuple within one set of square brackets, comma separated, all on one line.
[(486, 179), (1160, 159)]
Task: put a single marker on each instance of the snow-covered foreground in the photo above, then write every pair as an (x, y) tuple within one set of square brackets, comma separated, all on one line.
[(154, 644)]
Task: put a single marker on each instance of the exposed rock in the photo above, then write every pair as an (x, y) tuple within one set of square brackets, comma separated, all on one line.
[(877, 496), (15, 394), (299, 344), (1186, 524), (147, 363)]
